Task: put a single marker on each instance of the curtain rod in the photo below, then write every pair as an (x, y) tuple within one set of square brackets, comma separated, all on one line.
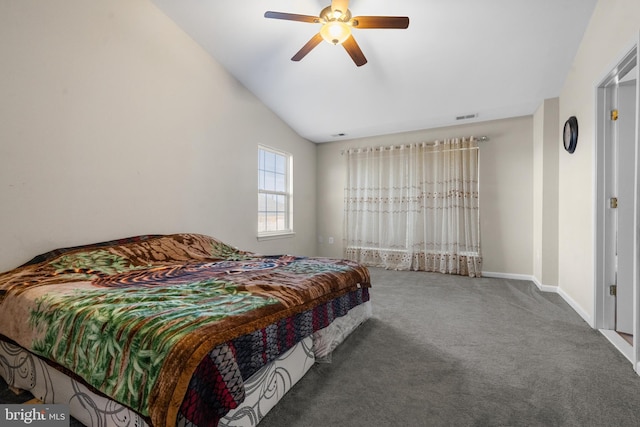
[(483, 138)]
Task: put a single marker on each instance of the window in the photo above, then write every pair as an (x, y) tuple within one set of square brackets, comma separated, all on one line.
[(274, 193), (415, 207)]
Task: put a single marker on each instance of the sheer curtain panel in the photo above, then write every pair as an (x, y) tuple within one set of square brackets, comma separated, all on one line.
[(414, 207)]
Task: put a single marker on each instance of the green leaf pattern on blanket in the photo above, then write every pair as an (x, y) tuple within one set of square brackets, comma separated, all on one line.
[(116, 339), (311, 267), (222, 250), (87, 263)]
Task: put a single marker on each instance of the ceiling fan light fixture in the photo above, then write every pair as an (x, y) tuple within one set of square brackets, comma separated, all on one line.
[(329, 15), (336, 24), (335, 32)]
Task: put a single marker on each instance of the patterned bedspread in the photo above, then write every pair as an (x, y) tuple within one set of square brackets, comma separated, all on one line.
[(172, 323)]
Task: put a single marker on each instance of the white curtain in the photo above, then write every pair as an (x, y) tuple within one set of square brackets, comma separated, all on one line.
[(414, 207)]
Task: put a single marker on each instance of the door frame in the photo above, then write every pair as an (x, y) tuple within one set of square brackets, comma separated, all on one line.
[(604, 304)]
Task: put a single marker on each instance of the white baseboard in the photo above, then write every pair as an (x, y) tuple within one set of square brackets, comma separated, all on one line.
[(544, 288), (507, 276), (585, 316)]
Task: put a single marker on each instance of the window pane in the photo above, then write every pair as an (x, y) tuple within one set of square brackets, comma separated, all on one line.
[(281, 165), (261, 179), (271, 222), (269, 161), (270, 181), (280, 203), (281, 182), (271, 202), (281, 221), (261, 159)]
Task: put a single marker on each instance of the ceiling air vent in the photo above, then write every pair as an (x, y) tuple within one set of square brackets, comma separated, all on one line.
[(467, 116)]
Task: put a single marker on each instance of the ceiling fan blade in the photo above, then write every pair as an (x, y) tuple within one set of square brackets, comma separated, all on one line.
[(400, 22), (354, 51), (291, 17), (341, 5), (307, 47)]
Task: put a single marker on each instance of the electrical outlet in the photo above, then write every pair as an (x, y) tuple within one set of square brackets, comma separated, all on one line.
[(331, 240)]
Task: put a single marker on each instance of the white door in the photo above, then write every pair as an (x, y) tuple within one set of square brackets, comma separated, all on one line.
[(624, 130)]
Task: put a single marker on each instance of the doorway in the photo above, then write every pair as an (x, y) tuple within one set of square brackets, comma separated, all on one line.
[(617, 201)]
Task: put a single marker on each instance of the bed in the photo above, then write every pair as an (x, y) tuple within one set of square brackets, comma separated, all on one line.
[(167, 330)]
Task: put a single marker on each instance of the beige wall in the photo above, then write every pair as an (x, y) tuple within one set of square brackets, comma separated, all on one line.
[(506, 182), (538, 140), (612, 31), (116, 123), (545, 193)]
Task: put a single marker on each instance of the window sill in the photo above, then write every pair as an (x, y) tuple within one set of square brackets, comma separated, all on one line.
[(278, 235)]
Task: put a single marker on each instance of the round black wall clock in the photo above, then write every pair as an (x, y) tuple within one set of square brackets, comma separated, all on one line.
[(570, 134)]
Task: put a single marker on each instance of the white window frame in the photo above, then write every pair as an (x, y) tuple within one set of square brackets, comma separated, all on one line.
[(287, 230)]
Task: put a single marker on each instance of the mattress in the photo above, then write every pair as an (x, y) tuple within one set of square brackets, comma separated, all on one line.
[(24, 370)]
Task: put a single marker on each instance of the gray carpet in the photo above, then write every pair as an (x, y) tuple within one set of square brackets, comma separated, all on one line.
[(453, 351)]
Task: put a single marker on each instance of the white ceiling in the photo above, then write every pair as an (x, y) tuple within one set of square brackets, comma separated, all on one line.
[(493, 58)]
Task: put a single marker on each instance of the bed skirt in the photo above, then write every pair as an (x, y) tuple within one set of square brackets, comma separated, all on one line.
[(23, 370)]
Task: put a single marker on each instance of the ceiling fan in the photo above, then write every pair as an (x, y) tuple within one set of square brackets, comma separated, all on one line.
[(336, 28)]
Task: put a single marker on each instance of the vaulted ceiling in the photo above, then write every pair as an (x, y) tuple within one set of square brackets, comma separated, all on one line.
[(490, 58)]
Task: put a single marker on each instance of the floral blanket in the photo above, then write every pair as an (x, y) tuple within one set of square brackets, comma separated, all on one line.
[(148, 321)]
